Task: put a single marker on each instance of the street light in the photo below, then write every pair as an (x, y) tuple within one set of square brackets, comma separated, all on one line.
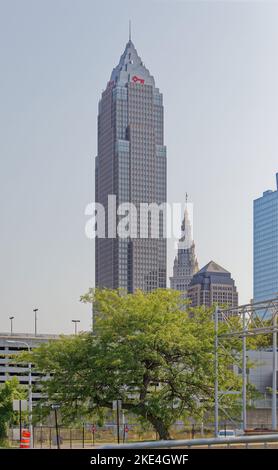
[(35, 312), (56, 407), (11, 319), (29, 389), (75, 325)]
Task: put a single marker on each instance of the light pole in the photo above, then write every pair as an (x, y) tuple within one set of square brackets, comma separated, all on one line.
[(35, 312), (75, 325), (55, 407), (11, 320), (29, 390), (274, 374), (216, 404)]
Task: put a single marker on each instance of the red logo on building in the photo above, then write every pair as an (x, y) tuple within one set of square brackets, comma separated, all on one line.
[(136, 79)]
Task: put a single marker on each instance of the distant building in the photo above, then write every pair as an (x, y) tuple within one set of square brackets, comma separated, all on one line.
[(185, 263), (13, 344), (213, 285), (265, 246)]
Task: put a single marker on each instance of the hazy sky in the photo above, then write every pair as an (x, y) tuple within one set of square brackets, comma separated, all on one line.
[(216, 64)]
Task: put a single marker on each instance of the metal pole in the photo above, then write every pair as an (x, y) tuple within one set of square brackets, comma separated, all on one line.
[(123, 424), (244, 376), (83, 436), (20, 421), (57, 432), (216, 412), (30, 403), (11, 319), (274, 374), (35, 312), (118, 422)]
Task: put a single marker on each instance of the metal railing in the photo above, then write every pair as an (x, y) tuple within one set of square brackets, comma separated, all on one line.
[(188, 443)]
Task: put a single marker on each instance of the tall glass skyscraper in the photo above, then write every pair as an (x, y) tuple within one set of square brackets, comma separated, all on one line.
[(131, 164), (266, 245)]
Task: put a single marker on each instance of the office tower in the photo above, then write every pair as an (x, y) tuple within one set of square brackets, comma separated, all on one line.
[(185, 262), (130, 164), (213, 285), (265, 246)]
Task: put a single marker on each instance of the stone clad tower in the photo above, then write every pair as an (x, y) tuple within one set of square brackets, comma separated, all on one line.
[(185, 263), (131, 165)]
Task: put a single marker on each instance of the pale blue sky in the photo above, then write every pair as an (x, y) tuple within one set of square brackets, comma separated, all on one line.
[(216, 64)]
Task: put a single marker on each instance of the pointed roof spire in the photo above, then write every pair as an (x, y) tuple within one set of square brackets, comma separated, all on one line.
[(131, 68), (129, 35), (186, 235)]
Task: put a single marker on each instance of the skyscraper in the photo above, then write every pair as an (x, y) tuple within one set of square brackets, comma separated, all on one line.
[(265, 246), (130, 164), (213, 285), (185, 263)]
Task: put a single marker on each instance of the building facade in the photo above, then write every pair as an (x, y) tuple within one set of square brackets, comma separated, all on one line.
[(185, 262), (11, 344), (265, 246), (213, 285), (131, 165)]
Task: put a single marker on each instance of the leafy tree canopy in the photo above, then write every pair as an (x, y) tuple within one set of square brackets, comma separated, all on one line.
[(146, 350)]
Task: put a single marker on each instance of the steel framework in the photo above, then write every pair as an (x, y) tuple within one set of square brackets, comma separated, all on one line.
[(257, 318)]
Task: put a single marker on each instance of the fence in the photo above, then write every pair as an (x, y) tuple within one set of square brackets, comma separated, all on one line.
[(87, 436), (90, 435)]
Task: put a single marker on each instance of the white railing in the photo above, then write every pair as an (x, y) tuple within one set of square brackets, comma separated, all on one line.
[(188, 443)]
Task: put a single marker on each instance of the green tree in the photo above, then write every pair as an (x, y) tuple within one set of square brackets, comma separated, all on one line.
[(9, 391), (147, 351)]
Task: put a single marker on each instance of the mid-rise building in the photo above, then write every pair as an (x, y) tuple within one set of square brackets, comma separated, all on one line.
[(11, 344), (213, 285), (265, 246)]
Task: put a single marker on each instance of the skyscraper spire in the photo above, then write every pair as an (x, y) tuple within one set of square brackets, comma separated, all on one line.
[(129, 35), (131, 68), (185, 263)]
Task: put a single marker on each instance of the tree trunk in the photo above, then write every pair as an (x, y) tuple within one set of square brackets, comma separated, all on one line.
[(160, 427), (157, 423)]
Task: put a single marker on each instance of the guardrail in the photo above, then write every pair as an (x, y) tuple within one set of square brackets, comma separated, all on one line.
[(197, 442)]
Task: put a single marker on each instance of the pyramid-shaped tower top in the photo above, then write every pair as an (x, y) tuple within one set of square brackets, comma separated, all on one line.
[(213, 267), (131, 68)]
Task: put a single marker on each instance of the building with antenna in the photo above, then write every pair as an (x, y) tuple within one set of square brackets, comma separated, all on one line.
[(130, 165), (185, 262)]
